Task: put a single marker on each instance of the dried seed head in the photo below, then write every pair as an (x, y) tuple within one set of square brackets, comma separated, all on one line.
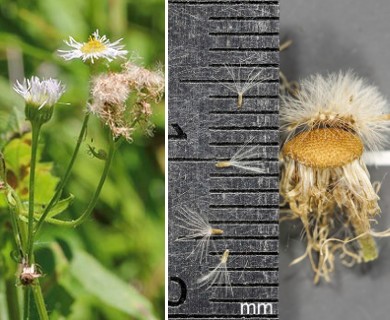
[(122, 100), (330, 121), (151, 83), (111, 88), (324, 148)]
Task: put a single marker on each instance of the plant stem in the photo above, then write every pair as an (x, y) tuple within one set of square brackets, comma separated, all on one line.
[(18, 215), (113, 146), (31, 192), (14, 213), (26, 307), (369, 250), (39, 301), (12, 299), (64, 180)]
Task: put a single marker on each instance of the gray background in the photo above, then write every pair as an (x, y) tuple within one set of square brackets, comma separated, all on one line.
[(332, 35)]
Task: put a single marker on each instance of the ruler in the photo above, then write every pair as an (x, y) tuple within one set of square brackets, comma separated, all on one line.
[(213, 48)]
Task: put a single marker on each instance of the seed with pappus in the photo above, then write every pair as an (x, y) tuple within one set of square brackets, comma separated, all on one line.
[(240, 86), (243, 159), (197, 226), (329, 123), (219, 275)]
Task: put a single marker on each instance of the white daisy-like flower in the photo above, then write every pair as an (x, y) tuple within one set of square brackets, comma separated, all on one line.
[(97, 47), (40, 93)]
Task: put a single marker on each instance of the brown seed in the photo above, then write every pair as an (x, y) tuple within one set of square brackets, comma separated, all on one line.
[(324, 148)]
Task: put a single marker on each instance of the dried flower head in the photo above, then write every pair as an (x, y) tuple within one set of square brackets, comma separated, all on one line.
[(122, 100), (330, 122), (96, 48), (40, 93), (28, 274)]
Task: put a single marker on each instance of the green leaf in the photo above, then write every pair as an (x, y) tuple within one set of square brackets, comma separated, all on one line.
[(17, 156), (60, 207), (98, 282), (45, 182)]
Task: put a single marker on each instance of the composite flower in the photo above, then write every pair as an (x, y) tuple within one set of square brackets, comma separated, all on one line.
[(40, 93), (96, 48)]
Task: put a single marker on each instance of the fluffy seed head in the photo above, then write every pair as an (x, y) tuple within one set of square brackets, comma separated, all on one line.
[(122, 100), (338, 100)]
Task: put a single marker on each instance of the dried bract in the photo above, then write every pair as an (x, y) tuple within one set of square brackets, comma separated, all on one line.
[(29, 274)]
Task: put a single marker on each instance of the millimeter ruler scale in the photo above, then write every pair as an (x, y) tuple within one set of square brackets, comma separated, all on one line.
[(223, 71)]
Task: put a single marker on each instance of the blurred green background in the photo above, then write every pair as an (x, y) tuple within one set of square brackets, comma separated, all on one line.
[(112, 266)]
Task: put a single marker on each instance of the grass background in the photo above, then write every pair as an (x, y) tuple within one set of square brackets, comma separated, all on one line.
[(100, 269)]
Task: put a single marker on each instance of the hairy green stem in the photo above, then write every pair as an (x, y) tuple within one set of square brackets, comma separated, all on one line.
[(36, 288), (39, 301), (65, 179), (12, 299), (14, 213), (26, 307), (16, 209), (31, 192)]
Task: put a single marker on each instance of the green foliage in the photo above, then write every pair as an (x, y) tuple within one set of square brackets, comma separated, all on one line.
[(17, 161), (125, 236)]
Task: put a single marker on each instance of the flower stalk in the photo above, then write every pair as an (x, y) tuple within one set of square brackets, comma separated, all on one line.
[(36, 127), (65, 179), (113, 146)]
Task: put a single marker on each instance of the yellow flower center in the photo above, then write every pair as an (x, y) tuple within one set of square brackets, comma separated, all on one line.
[(93, 46)]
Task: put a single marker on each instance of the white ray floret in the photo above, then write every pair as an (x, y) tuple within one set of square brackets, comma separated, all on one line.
[(219, 275), (40, 93), (96, 48), (338, 100), (197, 227)]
